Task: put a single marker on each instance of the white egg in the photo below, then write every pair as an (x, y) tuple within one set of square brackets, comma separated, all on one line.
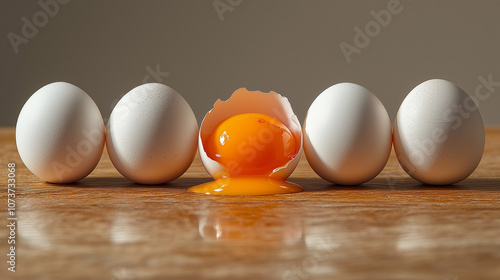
[(60, 133), (152, 134), (347, 135), (438, 133)]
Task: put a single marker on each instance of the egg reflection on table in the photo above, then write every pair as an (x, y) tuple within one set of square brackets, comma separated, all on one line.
[(239, 223), (250, 144)]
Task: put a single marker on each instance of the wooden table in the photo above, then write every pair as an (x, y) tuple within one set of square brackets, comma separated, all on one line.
[(106, 227)]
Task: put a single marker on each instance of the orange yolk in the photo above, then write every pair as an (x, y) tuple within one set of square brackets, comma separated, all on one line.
[(250, 147), (251, 144)]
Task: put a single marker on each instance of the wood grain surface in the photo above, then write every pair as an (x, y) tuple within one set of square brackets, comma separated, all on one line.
[(106, 227)]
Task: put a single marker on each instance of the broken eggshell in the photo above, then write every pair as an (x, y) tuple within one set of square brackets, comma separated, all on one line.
[(244, 101)]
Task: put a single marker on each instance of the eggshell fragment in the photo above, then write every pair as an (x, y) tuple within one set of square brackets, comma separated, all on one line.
[(244, 101), (347, 135), (438, 133), (151, 134), (60, 133)]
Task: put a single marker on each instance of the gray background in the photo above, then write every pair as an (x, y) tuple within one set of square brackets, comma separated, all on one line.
[(292, 47)]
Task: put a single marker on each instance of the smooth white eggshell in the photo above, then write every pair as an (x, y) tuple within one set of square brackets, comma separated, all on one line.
[(151, 134), (243, 101), (438, 133), (60, 133), (347, 135)]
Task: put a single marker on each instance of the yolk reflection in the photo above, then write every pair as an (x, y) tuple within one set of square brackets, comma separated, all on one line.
[(250, 147)]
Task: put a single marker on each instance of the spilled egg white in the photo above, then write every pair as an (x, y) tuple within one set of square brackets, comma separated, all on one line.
[(243, 101), (438, 133), (60, 133), (152, 134), (347, 135)]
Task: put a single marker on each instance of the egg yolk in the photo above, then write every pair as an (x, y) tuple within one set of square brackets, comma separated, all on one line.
[(251, 144), (250, 147)]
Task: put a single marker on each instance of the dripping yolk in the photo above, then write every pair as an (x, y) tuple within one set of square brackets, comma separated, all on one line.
[(250, 147), (251, 144)]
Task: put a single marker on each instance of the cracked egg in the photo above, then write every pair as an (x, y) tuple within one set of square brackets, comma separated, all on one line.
[(250, 144)]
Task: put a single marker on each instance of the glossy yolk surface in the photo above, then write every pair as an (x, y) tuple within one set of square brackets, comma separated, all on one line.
[(250, 147), (251, 144)]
